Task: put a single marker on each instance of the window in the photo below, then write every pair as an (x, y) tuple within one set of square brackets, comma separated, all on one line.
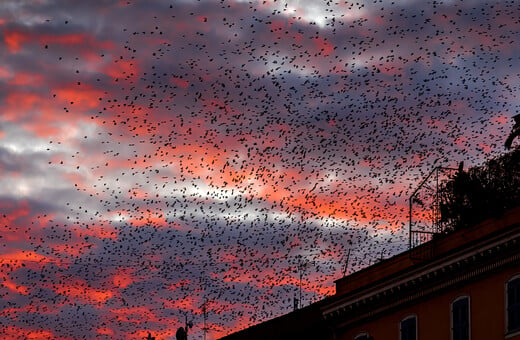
[(460, 326), (513, 304), (408, 328)]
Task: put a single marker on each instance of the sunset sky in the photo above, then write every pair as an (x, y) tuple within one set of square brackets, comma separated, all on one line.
[(158, 155)]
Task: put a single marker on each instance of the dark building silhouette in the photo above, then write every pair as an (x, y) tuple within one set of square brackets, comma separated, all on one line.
[(304, 323)]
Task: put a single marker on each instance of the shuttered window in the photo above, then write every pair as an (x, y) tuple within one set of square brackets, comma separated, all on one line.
[(409, 328), (460, 314), (513, 305)]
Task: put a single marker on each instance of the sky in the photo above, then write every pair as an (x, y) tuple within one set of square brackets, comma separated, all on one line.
[(163, 158)]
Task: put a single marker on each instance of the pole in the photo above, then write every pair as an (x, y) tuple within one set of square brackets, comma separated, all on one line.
[(410, 225), (436, 214), (346, 263), (204, 313), (301, 274)]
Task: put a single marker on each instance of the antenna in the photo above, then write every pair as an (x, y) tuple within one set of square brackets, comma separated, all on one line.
[(346, 263), (302, 265), (205, 315), (182, 333), (204, 306)]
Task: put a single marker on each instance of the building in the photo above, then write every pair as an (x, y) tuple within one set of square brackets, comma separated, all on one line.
[(304, 323), (467, 288), (458, 286)]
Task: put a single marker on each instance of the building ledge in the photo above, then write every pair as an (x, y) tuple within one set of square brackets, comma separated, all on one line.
[(490, 245), (442, 247)]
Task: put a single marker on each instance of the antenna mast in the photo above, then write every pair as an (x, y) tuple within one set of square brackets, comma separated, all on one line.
[(204, 313), (346, 263), (301, 267)]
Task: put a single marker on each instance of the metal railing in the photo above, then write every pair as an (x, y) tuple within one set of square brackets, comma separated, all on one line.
[(425, 212)]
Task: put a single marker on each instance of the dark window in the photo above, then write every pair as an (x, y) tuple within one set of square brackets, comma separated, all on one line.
[(460, 319), (513, 305), (409, 328), (364, 336)]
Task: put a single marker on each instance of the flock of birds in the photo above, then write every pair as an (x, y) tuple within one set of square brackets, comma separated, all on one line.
[(238, 144)]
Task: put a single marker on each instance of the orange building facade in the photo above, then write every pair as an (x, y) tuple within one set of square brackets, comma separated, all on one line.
[(467, 287), (460, 286)]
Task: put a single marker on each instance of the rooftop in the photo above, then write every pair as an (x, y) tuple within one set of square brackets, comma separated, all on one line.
[(439, 248)]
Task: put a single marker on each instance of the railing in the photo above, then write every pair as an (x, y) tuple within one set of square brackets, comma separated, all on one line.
[(425, 213)]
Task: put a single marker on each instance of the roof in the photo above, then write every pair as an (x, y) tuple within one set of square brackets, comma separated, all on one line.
[(304, 323), (439, 247)]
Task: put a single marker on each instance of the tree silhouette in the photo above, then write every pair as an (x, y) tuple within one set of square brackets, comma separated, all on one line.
[(481, 192)]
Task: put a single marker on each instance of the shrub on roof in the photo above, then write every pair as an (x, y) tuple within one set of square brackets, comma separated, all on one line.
[(481, 192)]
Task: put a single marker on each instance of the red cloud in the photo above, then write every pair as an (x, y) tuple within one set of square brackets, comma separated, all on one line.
[(101, 232), (26, 79), (122, 279), (105, 331), (47, 117), (136, 315), (12, 333), (16, 260), (72, 249), (122, 69), (79, 289), (19, 104), (180, 82), (15, 39), (324, 47), (82, 97)]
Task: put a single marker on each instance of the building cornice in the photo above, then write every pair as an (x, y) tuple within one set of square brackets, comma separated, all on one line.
[(461, 266)]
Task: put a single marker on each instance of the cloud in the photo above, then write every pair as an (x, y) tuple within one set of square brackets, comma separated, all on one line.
[(154, 156)]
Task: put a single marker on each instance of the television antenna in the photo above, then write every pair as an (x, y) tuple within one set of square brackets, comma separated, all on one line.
[(182, 333), (205, 317), (301, 267)]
